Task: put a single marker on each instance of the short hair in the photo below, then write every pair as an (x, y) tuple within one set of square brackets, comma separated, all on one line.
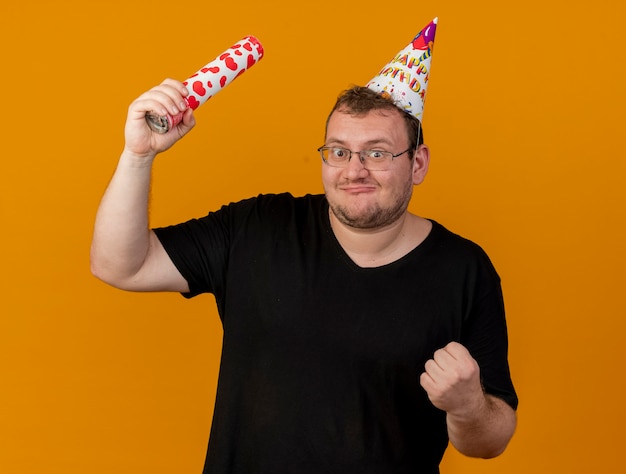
[(359, 100)]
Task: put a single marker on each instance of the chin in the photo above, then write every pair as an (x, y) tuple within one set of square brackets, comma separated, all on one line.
[(370, 218)]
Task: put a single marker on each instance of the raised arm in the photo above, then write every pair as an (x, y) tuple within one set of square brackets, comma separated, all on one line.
[(479, 425), (125, 253)]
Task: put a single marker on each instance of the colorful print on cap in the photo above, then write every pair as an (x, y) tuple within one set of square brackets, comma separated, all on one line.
[(405, 77)]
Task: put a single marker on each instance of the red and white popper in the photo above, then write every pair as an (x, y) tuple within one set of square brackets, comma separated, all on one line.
[(212, 78)]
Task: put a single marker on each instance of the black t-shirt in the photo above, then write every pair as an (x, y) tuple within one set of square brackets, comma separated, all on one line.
[(321, 358)]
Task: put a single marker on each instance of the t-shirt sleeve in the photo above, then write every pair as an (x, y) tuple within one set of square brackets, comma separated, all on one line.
[(485, 333), (199, 249)]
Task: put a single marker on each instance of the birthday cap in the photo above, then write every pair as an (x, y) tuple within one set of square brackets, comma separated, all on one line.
[(405, 77)]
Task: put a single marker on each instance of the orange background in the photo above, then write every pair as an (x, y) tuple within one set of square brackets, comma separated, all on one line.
[(525, 117)]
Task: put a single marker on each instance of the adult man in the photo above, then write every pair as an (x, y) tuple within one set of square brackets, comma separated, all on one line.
[(358, 337)]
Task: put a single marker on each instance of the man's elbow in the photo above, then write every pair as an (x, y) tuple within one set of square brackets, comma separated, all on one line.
[(493, 451), (106, 273), (101, 274), (491, 441), (484, 450)]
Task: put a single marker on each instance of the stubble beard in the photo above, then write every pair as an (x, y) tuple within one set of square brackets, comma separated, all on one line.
[(375, 216)]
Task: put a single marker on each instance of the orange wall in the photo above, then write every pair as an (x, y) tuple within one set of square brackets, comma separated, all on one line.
[(525, 118)]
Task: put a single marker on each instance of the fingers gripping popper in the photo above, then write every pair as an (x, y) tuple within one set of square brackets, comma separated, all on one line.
[(212, 78)]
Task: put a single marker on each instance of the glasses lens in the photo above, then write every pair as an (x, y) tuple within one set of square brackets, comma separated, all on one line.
[(335, 156), (373, 160), (377, 160)]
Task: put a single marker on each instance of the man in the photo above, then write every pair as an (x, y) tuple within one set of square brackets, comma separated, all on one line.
[(358, 337)]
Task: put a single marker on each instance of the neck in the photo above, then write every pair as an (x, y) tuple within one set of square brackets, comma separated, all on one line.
[(370, 248)]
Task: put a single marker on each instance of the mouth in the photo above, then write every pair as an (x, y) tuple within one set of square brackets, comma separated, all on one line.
[(358, 189)]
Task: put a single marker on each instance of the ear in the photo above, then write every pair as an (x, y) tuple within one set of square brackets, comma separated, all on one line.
[(421, 160)]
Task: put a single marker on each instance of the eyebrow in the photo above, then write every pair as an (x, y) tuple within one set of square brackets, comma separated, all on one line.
[(368, 144)]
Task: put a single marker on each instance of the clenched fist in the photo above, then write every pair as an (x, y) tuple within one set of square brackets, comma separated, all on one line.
[(452, 381), (166, 98)]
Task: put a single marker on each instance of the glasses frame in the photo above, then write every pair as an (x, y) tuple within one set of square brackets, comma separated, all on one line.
[(362, 155)]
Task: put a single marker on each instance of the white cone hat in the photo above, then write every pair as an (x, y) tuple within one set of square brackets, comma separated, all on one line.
[(405, 77)]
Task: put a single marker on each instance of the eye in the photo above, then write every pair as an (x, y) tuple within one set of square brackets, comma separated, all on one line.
[(338, 153), (376, 155)]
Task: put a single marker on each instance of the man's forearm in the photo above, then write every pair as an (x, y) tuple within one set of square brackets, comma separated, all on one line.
[(121, 237), (486, 432)]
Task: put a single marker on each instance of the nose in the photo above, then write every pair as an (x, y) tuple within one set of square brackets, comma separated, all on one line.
[(355, 168)]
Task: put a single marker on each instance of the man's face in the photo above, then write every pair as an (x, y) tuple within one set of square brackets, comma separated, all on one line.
[(370, 199)]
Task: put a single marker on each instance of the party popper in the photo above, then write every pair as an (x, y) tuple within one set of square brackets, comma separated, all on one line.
[(211, 79)]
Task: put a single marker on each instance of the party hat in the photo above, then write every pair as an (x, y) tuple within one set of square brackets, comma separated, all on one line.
[(405, 77)]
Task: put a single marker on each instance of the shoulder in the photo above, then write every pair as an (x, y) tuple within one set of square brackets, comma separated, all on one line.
[(275, 207), (445, 238), (277, 201), (452, 247), (269, 215)]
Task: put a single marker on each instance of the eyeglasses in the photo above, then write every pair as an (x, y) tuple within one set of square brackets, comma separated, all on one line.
[(372, 160)]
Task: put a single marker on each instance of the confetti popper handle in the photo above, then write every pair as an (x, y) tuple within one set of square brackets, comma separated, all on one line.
[(211, 79)]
